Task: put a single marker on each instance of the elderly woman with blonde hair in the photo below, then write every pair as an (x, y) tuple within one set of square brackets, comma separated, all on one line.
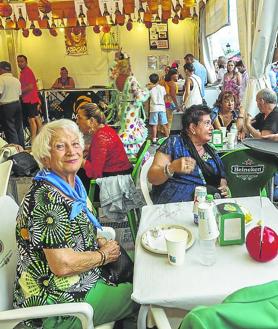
[(60, 260)]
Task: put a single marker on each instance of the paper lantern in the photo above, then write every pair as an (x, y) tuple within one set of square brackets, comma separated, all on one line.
[(106, 28), (53, 32), (37, 32), (120, 19), (5, 10), (129, 25), (25, 33), (10, 24), (265, 250), (76, 30), (148, 25), (44, 6), (175, 19), (189, 3), (96, 29)]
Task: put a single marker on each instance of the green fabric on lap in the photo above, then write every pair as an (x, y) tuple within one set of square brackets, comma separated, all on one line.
[(109, 303)]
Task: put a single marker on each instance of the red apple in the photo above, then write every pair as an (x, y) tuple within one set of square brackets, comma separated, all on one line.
[(265, 251)]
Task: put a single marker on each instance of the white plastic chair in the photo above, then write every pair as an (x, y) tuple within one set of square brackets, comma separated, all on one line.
[(9, 317), (5, 172), (145, 185)]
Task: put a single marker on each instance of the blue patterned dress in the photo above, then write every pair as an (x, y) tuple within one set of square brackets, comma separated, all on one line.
[(181, 187)]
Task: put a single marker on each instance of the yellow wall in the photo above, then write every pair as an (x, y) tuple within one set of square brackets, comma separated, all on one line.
[(46, 54), (3, 47)]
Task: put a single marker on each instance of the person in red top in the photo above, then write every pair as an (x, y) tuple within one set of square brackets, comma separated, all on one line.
[(106, 154), (30, 97)]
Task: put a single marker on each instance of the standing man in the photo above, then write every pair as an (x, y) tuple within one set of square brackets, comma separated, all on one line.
[(200, 70), (10, 107), (266, 122), (244, 78), (30, 97)]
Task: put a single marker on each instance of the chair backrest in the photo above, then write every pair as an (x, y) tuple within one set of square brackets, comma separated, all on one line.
[(8, 254), (248, 171), (5, 172), (140, 156), (145, 185)]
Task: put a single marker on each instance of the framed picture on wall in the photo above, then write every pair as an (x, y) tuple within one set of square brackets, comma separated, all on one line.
[(158, 36)]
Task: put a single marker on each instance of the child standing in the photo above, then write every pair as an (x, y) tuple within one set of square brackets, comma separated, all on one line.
[(157, 107)]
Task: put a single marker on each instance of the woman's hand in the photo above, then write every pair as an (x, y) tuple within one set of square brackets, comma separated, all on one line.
[(18, 148), (101, 241), (112, 251), (225, 191), (184, 165), (241, 135)]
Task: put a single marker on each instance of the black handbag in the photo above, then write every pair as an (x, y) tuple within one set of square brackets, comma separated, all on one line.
[(24, 164), (120, 271)]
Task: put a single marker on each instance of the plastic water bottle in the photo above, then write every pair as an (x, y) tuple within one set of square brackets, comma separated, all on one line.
[(234, 130), (210, 200), (207, 251), (208, 232)]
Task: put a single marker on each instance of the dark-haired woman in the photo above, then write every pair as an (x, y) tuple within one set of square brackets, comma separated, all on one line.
[(232, 80), (192, 93), (228, 114), (106, 156), (185, 161), (171, 102)]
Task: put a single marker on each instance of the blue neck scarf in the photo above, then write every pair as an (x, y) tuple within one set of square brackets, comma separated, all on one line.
[(78, 194)]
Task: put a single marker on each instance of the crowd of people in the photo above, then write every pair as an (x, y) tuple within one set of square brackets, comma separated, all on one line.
[(61, 259)]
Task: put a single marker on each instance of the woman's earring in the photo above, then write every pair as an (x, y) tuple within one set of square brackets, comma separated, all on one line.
[(193, 132)]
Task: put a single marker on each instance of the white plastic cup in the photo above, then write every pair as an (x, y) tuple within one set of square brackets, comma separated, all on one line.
[(231, 140), (207, 252), (176, 241), (208, 228)]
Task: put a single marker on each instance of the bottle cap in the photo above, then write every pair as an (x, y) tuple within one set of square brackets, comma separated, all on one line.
[(209, 197)]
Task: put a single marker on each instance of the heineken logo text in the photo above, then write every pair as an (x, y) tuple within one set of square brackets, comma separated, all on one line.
[(240, 169)]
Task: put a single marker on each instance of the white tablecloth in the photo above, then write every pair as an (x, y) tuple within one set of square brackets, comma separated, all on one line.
[(157, 282)]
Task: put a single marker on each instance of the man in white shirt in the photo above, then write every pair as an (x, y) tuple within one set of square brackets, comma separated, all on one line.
[(10, 107)]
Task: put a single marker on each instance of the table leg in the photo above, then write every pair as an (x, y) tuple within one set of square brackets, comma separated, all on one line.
[(142, 317)]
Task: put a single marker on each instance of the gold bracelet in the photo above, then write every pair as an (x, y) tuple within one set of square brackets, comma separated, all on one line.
[(167, 171), (102, 256)]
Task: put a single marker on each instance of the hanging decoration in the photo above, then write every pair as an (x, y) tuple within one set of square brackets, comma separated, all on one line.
[(101, 14), (75, 39)]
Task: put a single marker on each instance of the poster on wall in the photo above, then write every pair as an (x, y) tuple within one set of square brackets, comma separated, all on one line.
[(152, 62), (158, 36), (110, 40), (75, 40), (163, 61)]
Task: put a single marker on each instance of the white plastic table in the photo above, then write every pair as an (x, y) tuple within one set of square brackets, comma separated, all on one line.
[(158, 283)]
